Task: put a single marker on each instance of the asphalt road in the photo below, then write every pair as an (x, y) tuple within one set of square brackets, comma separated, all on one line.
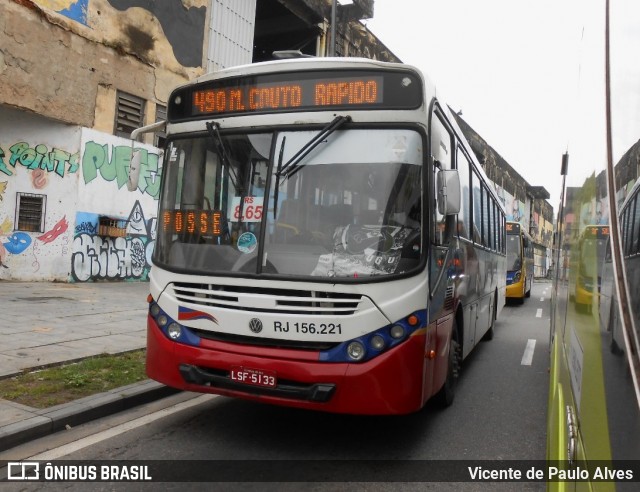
[(499, 414)]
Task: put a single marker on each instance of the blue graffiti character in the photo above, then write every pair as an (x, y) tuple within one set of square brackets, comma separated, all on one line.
[(18, 242)]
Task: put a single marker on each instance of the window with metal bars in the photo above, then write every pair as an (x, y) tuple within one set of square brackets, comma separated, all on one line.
[(30, 212), (129, 114)]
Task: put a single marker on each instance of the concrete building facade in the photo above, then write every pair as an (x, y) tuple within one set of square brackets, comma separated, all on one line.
[(524, 203), (77, 76)]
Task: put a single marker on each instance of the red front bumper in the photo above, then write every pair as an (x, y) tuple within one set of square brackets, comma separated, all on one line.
[(392, 383)]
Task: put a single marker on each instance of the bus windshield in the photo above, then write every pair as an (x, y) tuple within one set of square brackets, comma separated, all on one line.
[(350, 208), (514, 252), (592, 251)]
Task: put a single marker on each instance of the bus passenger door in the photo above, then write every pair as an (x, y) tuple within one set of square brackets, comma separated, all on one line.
[(441, 255)]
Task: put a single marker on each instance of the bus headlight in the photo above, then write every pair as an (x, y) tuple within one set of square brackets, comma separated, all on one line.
[(356, 351), (162, 320), (155, 310), (174, 330), (397, 331), (377, 342)]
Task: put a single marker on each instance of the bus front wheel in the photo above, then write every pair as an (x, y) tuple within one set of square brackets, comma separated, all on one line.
[(447, 393)]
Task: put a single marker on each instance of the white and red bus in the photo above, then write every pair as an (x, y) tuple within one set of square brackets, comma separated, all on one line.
[(326, 239)]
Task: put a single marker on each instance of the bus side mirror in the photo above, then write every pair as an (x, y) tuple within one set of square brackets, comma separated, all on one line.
[(134, 169), (525, 242), (136, 154), (448, 186)]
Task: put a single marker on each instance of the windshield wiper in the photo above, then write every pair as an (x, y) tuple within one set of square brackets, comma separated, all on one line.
[(214, 132), (292, 166), (278, 171)]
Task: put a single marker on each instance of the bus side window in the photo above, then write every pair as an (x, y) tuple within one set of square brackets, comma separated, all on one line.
[(464, 217), (636, 227), (477, 208)]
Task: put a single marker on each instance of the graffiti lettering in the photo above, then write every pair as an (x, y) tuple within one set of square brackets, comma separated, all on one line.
[(98, 257), (112, 161), (40, 157), (3, 166), (87, 228), (39, 179)]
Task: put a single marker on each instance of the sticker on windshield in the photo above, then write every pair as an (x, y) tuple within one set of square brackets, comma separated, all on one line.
[(250, 211), (247, 242)]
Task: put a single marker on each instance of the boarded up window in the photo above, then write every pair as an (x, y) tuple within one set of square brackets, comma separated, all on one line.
[(112, 226), (129, 114), (30, 212)]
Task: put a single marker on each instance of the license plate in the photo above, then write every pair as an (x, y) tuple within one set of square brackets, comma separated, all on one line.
[(255, 377)]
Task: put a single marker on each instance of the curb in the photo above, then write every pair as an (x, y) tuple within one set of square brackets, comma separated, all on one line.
[(49, 420)]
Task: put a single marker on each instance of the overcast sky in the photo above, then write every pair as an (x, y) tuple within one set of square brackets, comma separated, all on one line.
[(527, 75)]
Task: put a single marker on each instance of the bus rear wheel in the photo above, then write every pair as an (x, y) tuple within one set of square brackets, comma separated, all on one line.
[(490, 332)]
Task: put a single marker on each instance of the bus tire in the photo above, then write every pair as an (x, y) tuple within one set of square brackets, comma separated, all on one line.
[(447, 393), (490, 332)]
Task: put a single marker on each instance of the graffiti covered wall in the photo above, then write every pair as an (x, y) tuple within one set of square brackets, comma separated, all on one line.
[(168, 33), (93, 227), (514, 208), (40, 158), (121, 250), (73, 9)]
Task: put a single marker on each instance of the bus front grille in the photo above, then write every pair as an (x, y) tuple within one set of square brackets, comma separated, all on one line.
[(267, 300)]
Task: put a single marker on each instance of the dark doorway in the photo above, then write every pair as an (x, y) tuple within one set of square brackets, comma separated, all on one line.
[(278, 28)]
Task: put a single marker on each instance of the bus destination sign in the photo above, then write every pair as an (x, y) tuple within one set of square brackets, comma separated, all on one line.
[(597, 231), (293, 91), (192, 222), (513, 228), (287, 96)]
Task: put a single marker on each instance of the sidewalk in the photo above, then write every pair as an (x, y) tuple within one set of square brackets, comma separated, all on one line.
[(45, 323)]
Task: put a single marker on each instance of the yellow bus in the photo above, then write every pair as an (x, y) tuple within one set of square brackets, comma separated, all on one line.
[(588, 265), (519, 262), (593, 422)]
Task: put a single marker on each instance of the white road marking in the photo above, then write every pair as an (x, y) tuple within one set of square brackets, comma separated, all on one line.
[(539, 313), (527, 357), (59, 452), (541, 299)]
